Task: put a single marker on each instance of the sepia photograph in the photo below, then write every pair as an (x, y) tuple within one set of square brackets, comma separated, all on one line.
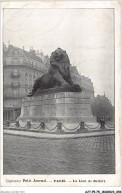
[(59, 92)]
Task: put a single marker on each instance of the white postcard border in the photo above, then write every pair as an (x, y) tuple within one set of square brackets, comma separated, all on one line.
[(110, 180)]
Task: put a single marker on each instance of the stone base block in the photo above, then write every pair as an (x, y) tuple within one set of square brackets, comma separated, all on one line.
[(66, 107)]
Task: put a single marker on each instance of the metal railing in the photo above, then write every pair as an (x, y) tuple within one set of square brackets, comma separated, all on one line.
[(59, 128)]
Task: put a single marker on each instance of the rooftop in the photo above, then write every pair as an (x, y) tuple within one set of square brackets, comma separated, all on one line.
[(12, 50)]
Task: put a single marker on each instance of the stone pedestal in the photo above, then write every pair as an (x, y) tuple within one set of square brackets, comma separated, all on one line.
[(65, 107)]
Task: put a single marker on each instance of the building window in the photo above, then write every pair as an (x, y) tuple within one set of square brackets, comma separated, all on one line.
[(15, 93), (16, 52), (30, 80), (15, 84), (4, 62), (15, 61), (15, 73), (33, 78), (26, 79), (24, 61)]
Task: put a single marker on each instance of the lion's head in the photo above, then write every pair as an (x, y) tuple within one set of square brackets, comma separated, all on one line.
[(60, 55)]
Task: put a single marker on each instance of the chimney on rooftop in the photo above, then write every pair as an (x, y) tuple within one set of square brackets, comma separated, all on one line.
[(32, 51), (9, 43)]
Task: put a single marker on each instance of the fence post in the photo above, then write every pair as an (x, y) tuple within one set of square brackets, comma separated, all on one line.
[(82, 127), (42, 128), (17, 124), (28, 124), (59, 128), (102, 123)]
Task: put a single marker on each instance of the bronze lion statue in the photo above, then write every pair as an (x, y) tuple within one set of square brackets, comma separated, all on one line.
[(58, 75)]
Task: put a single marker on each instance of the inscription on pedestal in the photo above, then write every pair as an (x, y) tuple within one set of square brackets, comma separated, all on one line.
[(66, 106)]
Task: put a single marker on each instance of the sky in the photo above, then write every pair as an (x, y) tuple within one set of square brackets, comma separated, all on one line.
[(87, 35)]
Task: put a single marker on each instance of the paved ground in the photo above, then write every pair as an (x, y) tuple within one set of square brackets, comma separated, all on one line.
[(89, 155)]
